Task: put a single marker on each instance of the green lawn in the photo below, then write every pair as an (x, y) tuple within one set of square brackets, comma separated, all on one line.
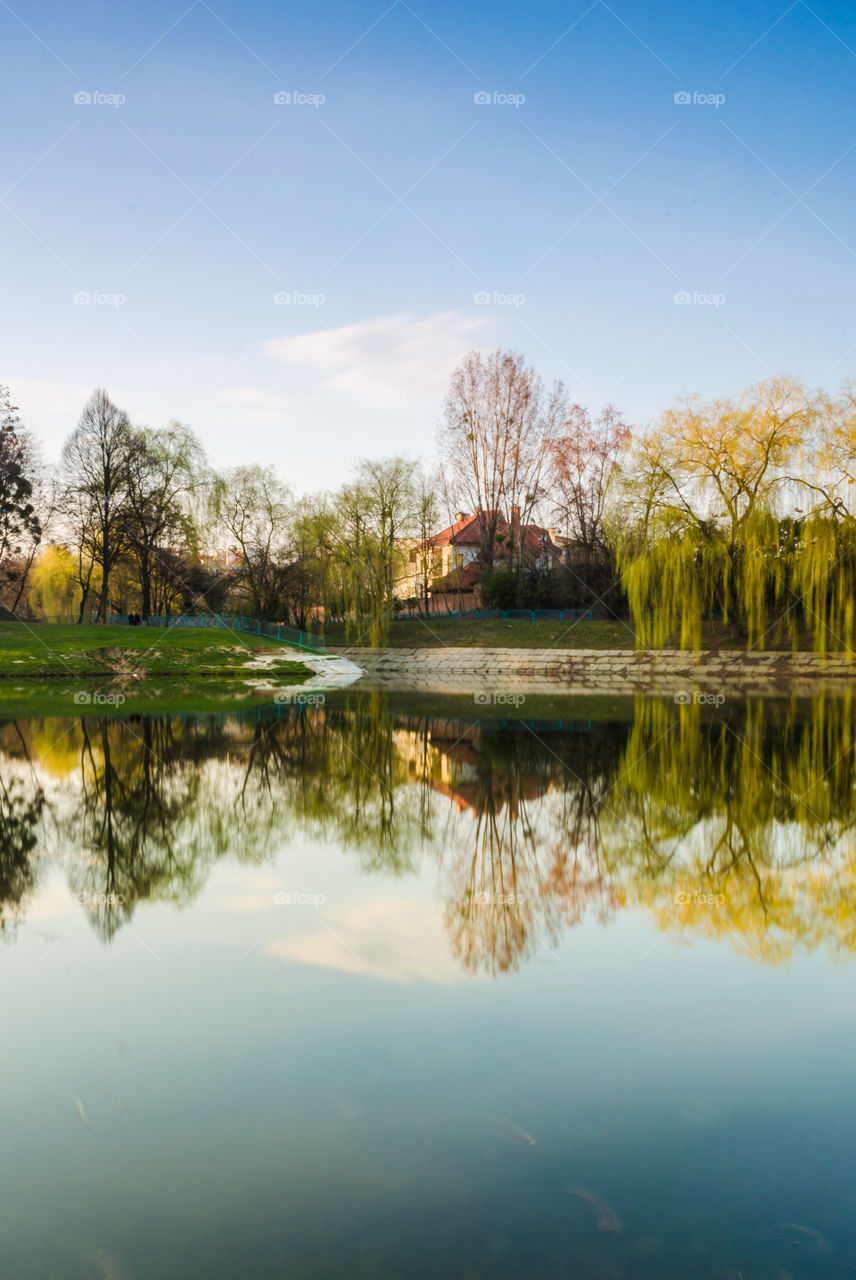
[(59, 669), (491, 634), (523, 634)]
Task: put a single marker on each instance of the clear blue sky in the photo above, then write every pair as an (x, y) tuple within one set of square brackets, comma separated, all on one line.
[(399, 199)]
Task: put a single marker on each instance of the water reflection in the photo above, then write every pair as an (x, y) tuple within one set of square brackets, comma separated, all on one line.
[(736, 825)]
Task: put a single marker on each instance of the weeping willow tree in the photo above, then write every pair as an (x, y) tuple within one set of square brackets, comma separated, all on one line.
[(824, 565), (683, 573), (376, 513), (704, 535), (824, 580), (671, 581)]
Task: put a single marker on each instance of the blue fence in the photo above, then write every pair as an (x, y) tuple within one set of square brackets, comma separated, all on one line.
[(226, 622)]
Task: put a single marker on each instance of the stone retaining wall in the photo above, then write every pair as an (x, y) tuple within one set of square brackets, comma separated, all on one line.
[(611, 671)]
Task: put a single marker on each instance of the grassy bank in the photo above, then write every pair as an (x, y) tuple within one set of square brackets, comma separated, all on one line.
[(59, 670), (523, 634)]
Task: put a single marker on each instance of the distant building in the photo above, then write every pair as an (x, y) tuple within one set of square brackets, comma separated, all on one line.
[(220, 562)]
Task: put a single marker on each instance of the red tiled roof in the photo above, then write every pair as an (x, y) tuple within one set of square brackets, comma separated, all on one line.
[(466, 533), (536, 539)]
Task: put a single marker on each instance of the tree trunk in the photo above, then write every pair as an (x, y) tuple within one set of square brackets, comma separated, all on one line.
[(105, 581), (145, 589), (84, 595)]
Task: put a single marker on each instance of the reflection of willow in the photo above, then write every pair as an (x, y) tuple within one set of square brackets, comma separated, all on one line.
[(338, 776), (743, 826), (21, 807), (739, 823), (130, 832)]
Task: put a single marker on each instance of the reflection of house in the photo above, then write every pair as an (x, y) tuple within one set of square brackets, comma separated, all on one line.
[(451, 766), (451, 559)]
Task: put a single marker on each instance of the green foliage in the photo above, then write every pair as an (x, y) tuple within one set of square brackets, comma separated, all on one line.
[(684, 576), (500, 588), (53, 583), (824, 581)]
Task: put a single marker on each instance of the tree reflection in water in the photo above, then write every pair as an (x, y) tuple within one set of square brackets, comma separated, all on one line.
[(737, 824)]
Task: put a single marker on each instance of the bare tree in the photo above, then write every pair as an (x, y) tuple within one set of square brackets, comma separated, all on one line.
[(427, 520), (499, 423), (95, 461), (584, 462), (164, 468)]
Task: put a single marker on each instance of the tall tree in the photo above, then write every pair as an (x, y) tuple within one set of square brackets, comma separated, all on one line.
[(427, 526), (95, 468), (584, 467), (499, 421), (702, 530), (21, 523), (376, 513), (309, 583), (253, 507), (164, 468)]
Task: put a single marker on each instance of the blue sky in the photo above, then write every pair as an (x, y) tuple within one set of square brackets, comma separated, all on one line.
[(385, 212)]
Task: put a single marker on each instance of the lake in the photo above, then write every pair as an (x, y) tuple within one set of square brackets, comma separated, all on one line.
[(389, 988)]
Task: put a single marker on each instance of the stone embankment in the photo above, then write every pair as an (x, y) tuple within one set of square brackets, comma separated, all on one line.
[(609, 671)]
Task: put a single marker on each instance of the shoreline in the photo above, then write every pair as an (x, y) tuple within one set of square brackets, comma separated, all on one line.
[(610, 671)]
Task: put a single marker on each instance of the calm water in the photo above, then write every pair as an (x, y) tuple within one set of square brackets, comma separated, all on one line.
[(362, 990)]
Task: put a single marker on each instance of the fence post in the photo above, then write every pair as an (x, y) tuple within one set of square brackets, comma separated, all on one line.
[(300, 639)]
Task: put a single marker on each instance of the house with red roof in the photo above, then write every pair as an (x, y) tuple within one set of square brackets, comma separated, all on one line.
[(450, 563)]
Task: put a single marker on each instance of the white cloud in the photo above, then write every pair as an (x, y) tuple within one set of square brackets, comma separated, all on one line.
[(48, 398), (257, 405), (393, 940), (388, 360), (256, 396)]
